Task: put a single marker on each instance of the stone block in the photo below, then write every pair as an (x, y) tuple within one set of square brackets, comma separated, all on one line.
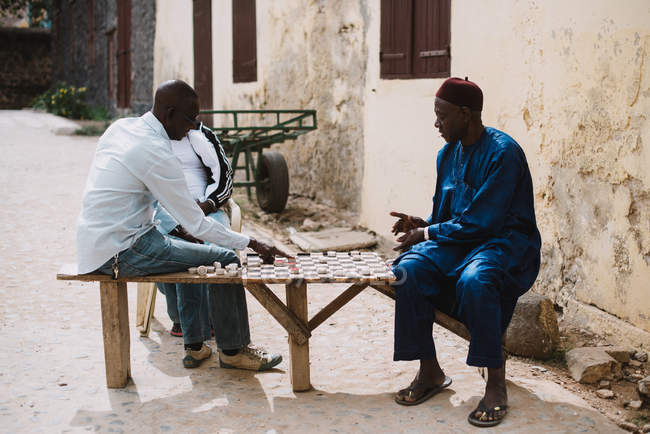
[(621, 354), (643, 387), (641, 356), (605, 393), (590, 364), (633, 405), (339, 239), (533, 331)]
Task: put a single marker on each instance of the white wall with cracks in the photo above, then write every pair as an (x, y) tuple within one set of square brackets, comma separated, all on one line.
[(570, 81)]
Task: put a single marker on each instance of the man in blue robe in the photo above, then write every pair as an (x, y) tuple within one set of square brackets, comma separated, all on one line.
[(478, 251)]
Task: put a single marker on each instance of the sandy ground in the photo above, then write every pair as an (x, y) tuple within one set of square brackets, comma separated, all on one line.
[(52, 365)]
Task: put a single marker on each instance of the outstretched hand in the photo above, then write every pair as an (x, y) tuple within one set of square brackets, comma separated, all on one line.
[(266, 251), (207, 207), (406, 223), (410, 238)]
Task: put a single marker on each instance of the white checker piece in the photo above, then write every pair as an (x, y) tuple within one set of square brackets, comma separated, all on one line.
[(319, 267)]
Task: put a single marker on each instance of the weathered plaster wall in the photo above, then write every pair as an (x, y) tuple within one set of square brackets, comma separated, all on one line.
[(570, 82), (400, 143), (173, 55), (310, 55)]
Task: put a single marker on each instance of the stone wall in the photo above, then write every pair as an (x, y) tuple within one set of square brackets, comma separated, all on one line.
[(25, 65), (81, 58), (143, 34)]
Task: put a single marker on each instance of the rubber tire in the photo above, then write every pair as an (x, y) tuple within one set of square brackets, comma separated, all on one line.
[(273, 168)]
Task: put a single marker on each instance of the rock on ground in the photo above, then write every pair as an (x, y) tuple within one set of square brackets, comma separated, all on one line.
[(633, 405), (591, 364), (533, 331), (641, 356), (621, 354), (643, 387), (605, 393)]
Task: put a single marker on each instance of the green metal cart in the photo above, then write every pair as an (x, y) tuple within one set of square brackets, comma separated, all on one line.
[(245, 133)]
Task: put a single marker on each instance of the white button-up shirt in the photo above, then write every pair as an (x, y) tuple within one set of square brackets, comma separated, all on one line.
[(133, 166)]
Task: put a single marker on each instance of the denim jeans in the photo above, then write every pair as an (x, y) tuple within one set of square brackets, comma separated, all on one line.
[(171, 290), (155, 253)]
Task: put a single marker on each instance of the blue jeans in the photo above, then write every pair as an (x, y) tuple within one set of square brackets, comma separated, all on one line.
[(172, 290), (155, 253)]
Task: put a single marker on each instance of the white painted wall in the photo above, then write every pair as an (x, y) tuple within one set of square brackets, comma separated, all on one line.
[(570, 81), (400, 143), (173, 46)]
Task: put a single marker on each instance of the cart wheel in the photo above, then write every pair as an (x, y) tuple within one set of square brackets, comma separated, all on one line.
[(273, 182)]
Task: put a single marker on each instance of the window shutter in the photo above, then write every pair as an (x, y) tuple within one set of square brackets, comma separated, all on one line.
[(202, 36), (244, 41), (431, 38), (396, 28)]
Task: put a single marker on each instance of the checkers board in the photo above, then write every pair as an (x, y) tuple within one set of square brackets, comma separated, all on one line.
[(318, 268)]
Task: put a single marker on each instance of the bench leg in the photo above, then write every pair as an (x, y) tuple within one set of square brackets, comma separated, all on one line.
[(298, 354), (115, 327)]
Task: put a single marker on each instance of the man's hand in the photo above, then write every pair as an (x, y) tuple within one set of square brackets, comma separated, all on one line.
[(406, 223), (207, 207), (180, 232), (266, 252), (410, 238)]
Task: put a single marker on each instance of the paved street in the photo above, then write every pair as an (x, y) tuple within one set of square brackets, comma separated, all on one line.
[(52, 364)]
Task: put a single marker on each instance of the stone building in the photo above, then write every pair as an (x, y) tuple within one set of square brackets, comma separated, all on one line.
[(25, 65), (569, 80), (107, 46)]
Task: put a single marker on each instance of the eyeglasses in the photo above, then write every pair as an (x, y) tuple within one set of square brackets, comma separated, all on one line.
[(195, 122)]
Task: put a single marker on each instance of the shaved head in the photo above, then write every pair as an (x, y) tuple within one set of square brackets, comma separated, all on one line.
[(176, 105)]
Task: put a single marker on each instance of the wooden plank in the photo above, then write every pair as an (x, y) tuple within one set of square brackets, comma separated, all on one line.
[(149, 291), (298, 352), (141, 305), (336, 304), (69, 272), (115, 328), (295, 326), (444, 320), (385, 289)]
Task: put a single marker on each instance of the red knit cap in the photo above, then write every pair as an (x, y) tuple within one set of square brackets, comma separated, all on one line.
[(461, 93)]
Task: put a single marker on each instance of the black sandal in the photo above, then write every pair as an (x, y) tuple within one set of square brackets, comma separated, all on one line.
[(484, 416), (428, 393)]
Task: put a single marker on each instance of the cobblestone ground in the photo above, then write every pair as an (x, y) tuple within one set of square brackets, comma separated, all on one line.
[(52, 366)]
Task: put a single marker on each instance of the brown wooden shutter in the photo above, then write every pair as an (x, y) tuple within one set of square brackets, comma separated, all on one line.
[(244, 41), (396, 28), (123, 53), (431, 38), (202, 11), (91, 32)]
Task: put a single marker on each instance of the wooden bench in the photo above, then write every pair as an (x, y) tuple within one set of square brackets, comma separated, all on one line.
[(293, 315)]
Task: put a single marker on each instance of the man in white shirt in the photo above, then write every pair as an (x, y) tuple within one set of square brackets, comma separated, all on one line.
[(134, 166)]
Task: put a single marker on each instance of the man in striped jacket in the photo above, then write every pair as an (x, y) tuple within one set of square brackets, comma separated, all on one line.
[(208, 174)]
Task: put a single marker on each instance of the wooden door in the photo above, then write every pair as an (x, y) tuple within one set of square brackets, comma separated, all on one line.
[(202, 18), (123, 53)]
